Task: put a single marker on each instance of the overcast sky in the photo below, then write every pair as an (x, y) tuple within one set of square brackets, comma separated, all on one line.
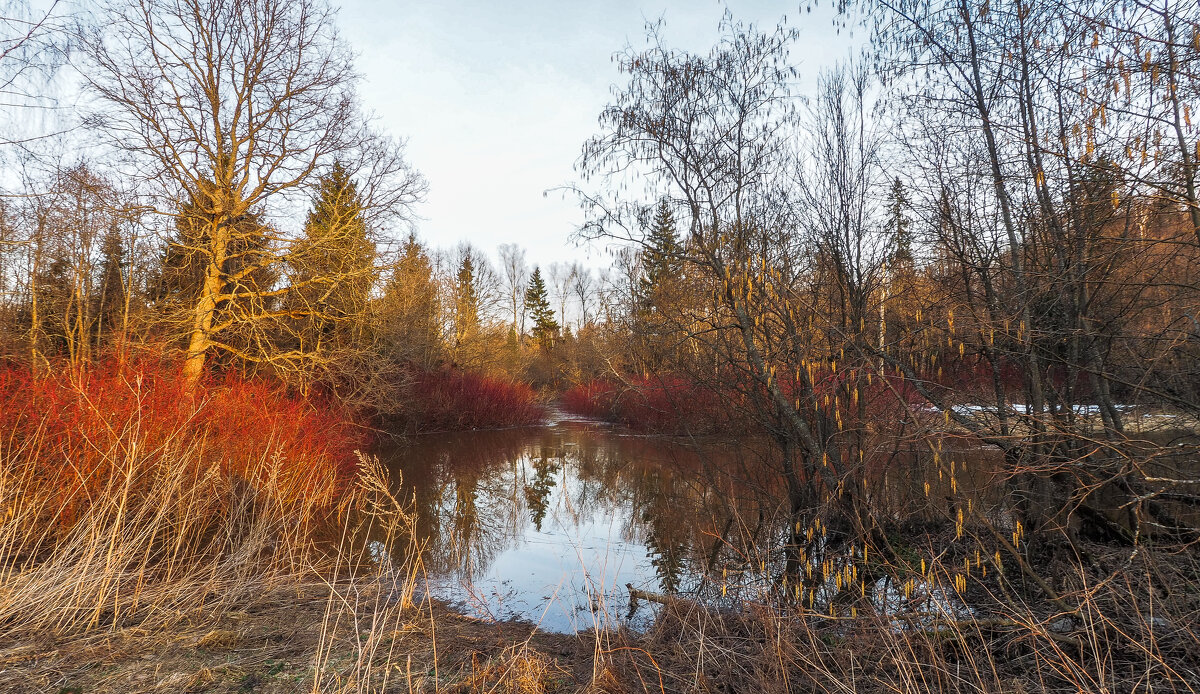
[(495, 98)]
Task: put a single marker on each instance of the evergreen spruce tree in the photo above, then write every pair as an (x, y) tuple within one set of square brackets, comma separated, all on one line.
[(247, 275), (898, 227), (334, 263), (410, 307), (659, 288), (466, 301), (109, 298), (181, 273), (537, 305), (661, 258)]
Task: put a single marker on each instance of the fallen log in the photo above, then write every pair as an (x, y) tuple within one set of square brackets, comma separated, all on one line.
[(636, 594)]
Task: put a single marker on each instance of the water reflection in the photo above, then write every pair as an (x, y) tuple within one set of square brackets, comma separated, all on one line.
[(550, 523)]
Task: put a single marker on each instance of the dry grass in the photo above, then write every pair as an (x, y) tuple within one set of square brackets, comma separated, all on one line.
[(164, 567), (163, 537), (1135, 629)]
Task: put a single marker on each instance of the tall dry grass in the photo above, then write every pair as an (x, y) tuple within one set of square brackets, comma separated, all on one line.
[(126, 505), (1127, 621), (373, 586)]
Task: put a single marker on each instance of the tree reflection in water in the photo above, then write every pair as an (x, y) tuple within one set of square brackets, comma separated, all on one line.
[(537, 492), (550, 523)]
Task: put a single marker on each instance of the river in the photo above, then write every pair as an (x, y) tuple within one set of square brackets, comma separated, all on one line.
[(550, 524)]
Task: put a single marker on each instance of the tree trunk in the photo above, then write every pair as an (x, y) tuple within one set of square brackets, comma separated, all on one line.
[(200, 338)]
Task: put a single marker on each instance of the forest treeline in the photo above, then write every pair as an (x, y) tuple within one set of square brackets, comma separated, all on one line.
[(232, 209), (339, 308)]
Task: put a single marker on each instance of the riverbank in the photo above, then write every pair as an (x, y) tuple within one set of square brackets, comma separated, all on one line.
[(198, 558), (302, 639), (350, 637)]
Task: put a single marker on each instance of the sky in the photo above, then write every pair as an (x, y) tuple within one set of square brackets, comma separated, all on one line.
[(496, 98)]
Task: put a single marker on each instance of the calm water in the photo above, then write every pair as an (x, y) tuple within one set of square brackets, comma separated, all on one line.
[(550, 523)]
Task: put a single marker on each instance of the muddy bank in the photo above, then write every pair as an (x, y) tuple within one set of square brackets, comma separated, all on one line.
[(299, 640), (282, 644)]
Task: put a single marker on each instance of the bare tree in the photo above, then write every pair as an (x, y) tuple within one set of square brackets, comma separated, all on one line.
[(514, 271), (33, 45), (671, 124), (583, 289), (232, 110), (68, 280), (1138, 83), (560, 289)]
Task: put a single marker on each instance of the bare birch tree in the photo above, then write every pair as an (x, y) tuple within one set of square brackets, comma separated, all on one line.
[(515, 272)]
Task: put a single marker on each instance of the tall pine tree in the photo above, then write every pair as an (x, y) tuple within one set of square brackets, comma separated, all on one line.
[(245, 276), (537, 306), (898, 227), (466, 301), (334, 265), (659, 289), (108, 301), (661, 259), (410, 308)]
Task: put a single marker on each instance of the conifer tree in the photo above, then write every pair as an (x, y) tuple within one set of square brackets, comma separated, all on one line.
[(410, 307), (537, 306), (110, 296), (658, 287), (466, 301), (246, 275), (661, 258), (898, 265), (898, 225), (180, 276), (334, 263)]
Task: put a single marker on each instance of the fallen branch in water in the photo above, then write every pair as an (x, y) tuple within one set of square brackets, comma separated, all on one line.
[(636, 594)]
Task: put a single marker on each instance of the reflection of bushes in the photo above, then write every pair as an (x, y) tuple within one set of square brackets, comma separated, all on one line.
[(672, 404), (454, 479), (537, 494)]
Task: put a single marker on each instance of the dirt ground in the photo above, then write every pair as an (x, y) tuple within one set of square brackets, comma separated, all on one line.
[(275, 645)]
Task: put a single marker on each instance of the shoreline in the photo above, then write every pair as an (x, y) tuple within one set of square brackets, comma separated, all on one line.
[(357, 636), (277, 645)]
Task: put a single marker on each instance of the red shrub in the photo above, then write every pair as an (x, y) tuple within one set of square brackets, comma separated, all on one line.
[(595, 399), (671, 404), (660, 404), (84, 429), (975, 375), (449, 399)]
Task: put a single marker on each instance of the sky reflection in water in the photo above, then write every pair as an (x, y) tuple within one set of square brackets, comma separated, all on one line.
[(549, 524)]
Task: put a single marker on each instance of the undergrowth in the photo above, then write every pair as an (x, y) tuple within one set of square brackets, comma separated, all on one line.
[(129, 499), (451, 399)]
